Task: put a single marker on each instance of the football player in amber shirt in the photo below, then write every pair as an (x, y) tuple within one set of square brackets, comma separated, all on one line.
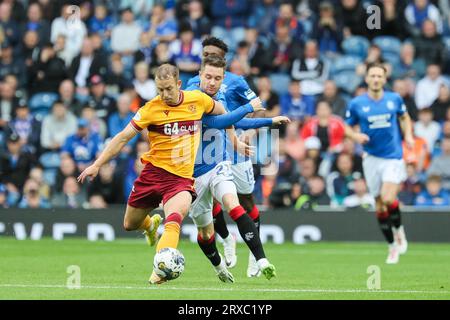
[(172, 120)]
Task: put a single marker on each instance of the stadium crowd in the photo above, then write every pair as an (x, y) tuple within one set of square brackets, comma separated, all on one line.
[(67, 85)]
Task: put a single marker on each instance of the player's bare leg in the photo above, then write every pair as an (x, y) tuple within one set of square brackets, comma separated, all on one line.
[(389, 192), (249, 233), (175, 210), (206, 241), (247, 201), (139, 219)]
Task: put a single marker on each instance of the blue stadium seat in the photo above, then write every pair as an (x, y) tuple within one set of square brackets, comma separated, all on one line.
[(392, 58), (41, 103), (347, 81), (388, 44), (356, 46), (345, 63), (446, 41)]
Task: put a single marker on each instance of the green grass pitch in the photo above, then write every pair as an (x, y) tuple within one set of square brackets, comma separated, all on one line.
[(120, 269)]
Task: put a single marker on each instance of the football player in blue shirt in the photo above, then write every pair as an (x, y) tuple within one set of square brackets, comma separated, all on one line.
[(382, 118), (237, 93)]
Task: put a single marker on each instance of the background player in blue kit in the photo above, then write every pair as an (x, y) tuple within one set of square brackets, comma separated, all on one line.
[(382, 117), (237, 93)]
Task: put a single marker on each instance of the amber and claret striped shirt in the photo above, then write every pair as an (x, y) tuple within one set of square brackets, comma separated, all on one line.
[(174, 131)]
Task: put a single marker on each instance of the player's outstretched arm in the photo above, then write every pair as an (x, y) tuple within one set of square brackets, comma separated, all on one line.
[(110, 151), (358, 137), (228, 119), (255, 123), (407, 129)]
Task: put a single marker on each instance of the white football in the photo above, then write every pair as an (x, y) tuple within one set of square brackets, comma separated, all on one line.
[(168, 263)]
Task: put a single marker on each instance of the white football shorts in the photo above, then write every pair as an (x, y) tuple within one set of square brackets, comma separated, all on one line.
[(215, 183)]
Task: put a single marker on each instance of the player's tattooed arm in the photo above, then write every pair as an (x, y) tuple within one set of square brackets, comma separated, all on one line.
[(407, 129), (358, 137), (110, 151)]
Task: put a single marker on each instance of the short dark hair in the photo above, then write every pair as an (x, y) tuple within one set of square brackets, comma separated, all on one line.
[(215, 42), (215, 61), (376, 65)]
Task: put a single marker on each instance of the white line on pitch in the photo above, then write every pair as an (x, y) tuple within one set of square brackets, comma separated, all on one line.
[(162, 287)]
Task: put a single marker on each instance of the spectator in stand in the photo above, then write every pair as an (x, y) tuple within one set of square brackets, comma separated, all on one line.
[(429, 45), (419, 155), (68, 98), (74, 31), (282, 50), (427, 89), (160, 56), (295, 105), (328, 31), (294, 146), (120, 119), (349, 148), (82, 146), (340, 184), (393, 20), (9, 24), (99, 100), (101, 22), (269, 98), (61, 50), (86, 65), (419, 11), (258, 55), (28, 129), (434, 195), (317, 195), (400, 86), (186, 54), (308, 169), (354, 18), (67, 168), (115, 81), (360, 198), (47, 74), (229, 21), (411, 187), (199, 22), (409, 66), (96, 124), (440, 164), (162, 27), (57, 126), (11, 64), (31, 198), (328, 128), (441, 104), (263, 14), (145, 51), (36, 23), (71, 197), (15, 164), (125, 36), (310, 70), (144, 86), (427, 129), (37, 174), (31, 49), (108, 185), (286, 17), (8, 105), (331, 95), (96, 201)]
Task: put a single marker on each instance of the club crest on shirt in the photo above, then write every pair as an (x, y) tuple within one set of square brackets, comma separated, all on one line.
[(366, 108), (166, 112), (192, 108), (390, 105)]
